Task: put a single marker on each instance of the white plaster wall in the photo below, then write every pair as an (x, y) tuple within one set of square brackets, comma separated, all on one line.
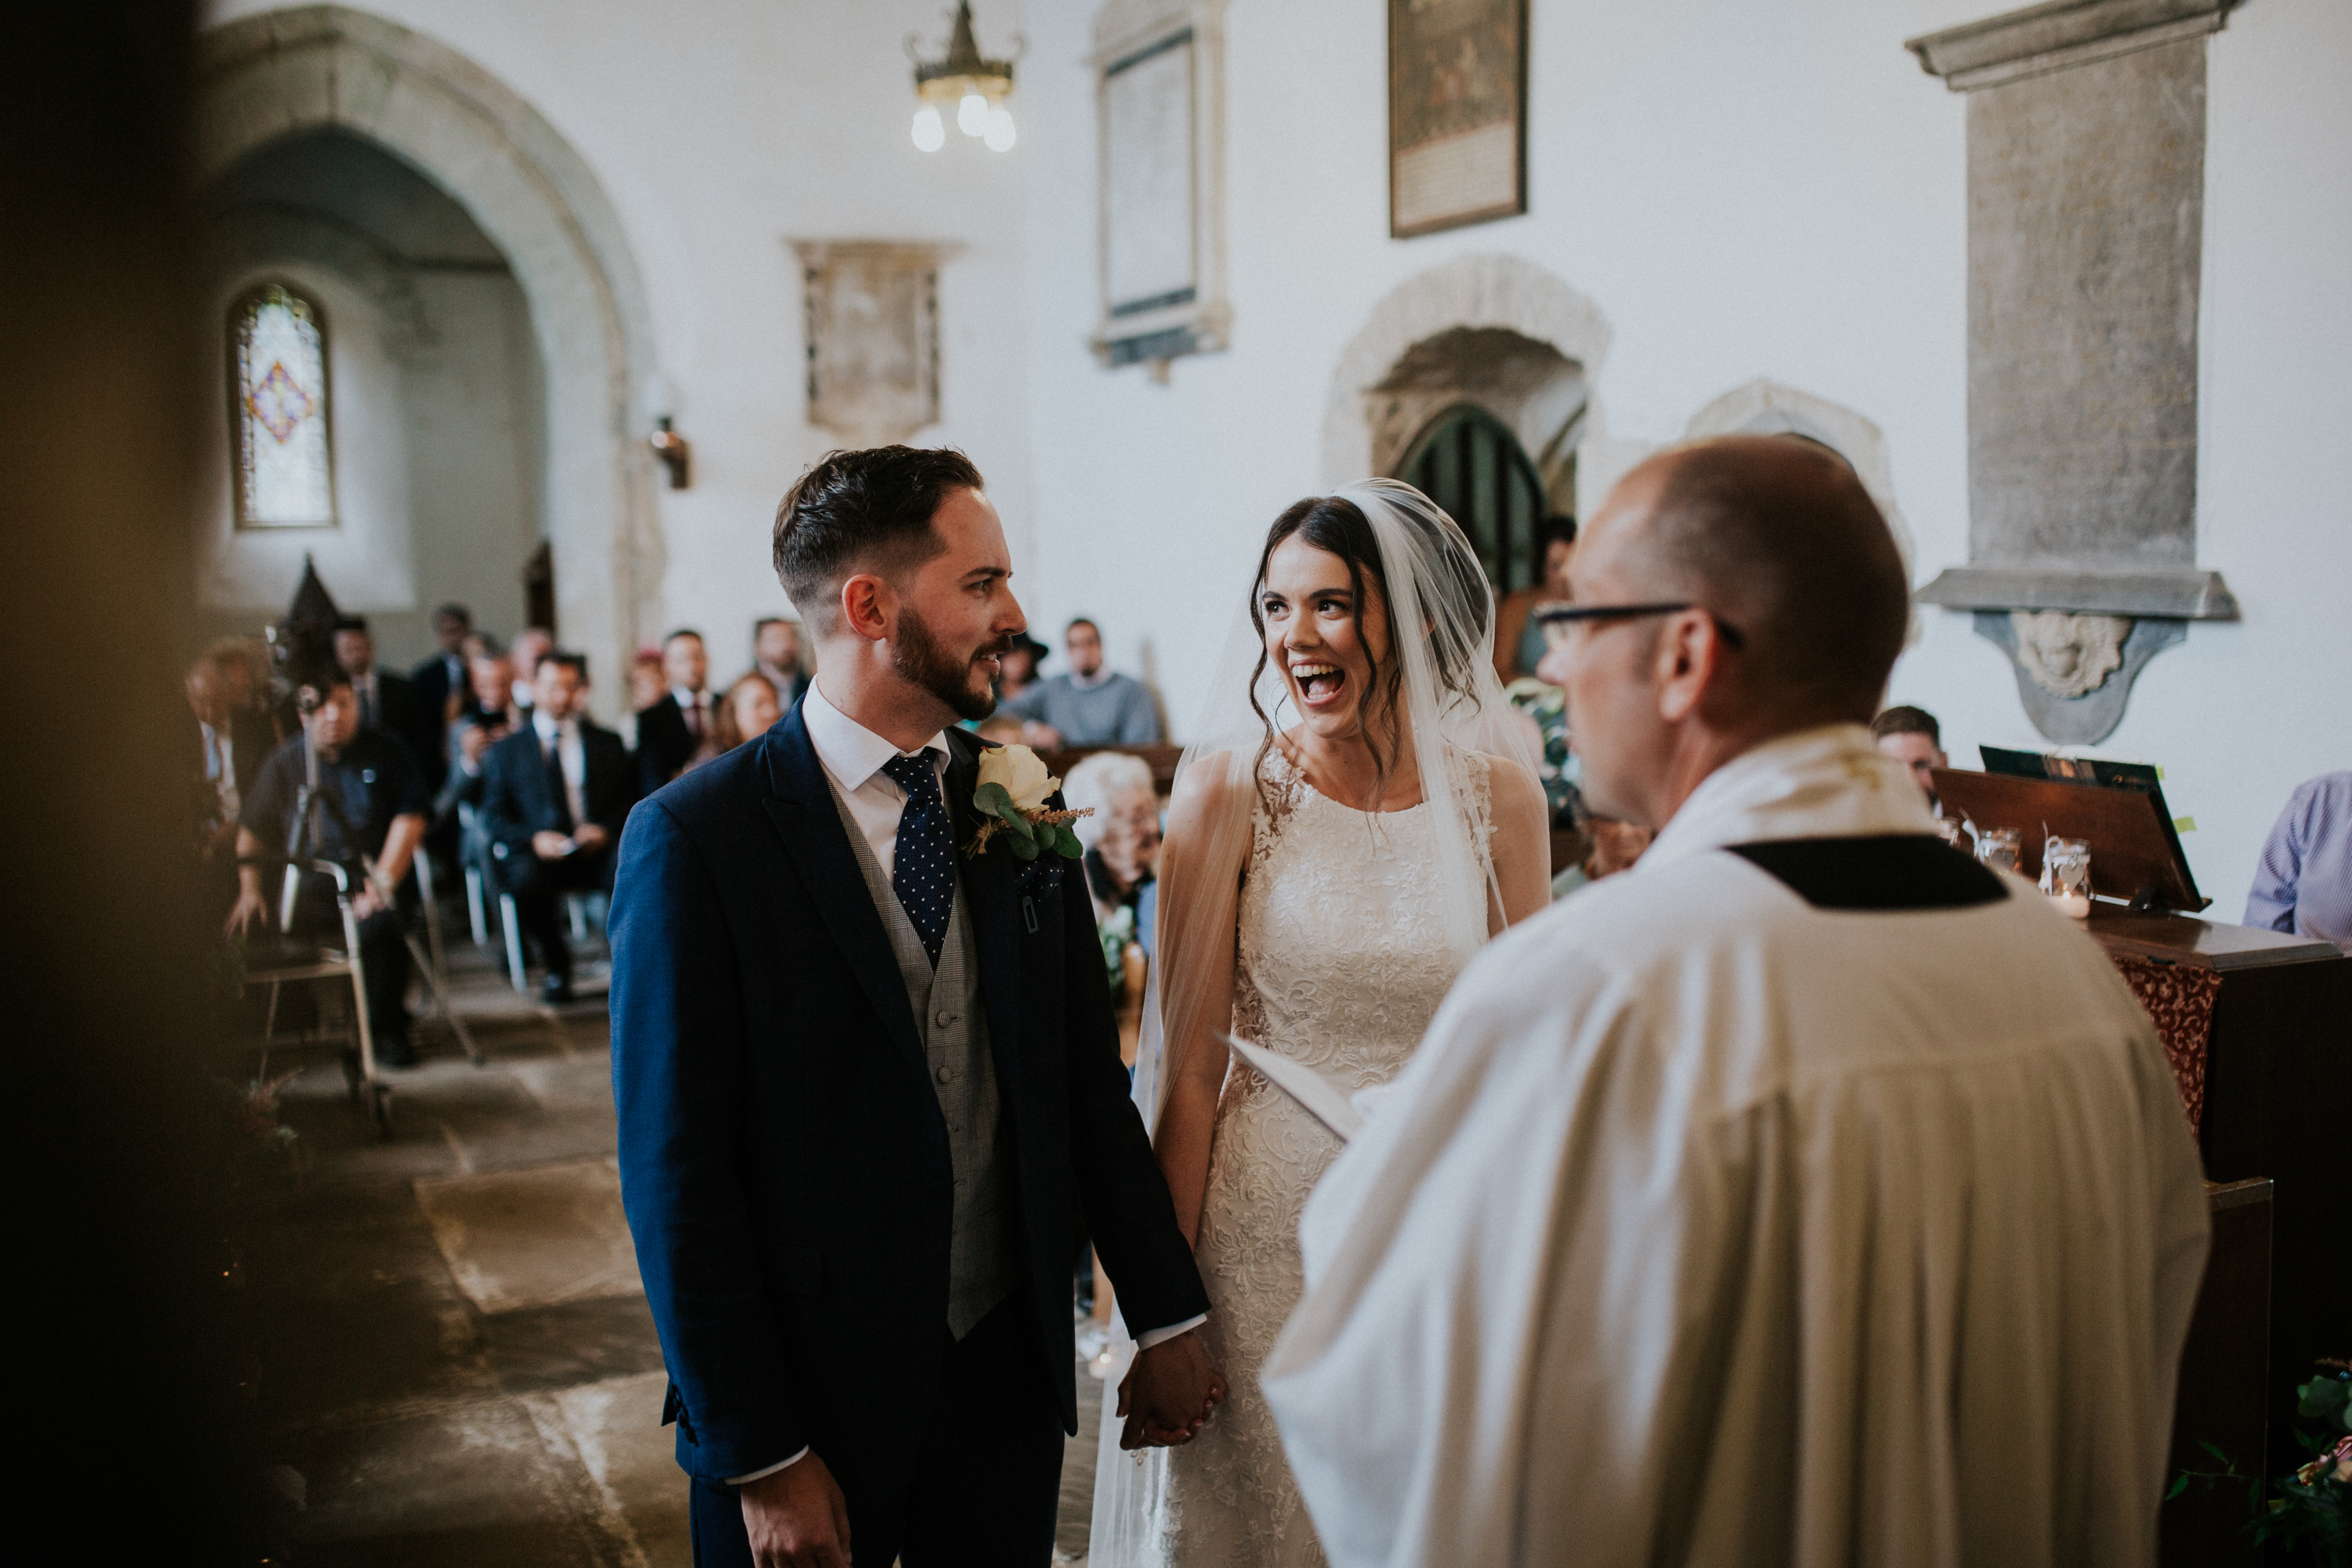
[(1742, 191), (719, 131), (369, 559), (473, 415)]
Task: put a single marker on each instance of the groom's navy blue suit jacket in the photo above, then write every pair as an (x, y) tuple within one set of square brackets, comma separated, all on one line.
[(783, 1160)]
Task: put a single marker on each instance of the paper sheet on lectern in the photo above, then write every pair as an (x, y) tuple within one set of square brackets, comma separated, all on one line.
[(1318, 1096)]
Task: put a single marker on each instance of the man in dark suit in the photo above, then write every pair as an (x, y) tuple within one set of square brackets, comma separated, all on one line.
[(388, 700), (776, 654), (444, 672), (671, 730), (865, 1079), (554, 794)]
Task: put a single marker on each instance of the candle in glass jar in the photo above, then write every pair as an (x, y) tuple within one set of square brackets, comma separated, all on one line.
[(2073, 901)]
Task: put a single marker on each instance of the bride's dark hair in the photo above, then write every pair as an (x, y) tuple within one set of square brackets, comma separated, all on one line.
[(1337, 526)]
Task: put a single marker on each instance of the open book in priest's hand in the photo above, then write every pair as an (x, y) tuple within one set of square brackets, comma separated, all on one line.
[(1320, 1097)]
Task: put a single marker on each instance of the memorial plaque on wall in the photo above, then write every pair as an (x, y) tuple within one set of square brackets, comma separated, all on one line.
[(2086, 222), (2086, 180), (1457, 113), (1160, 103)]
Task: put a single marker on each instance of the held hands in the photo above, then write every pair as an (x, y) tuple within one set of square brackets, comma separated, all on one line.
[(550, 846), (796, 1518), (1168, 1393)]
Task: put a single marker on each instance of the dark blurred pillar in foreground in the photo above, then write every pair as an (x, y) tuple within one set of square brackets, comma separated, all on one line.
[(122, 1377)]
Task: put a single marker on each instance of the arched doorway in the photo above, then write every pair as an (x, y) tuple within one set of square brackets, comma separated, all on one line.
[(1468, 462), (326, 69), (433, 419)]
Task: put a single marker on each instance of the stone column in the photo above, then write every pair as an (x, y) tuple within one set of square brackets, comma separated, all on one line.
[(2086, 173)]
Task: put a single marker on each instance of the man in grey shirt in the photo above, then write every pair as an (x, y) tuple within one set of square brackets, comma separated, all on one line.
[(1090, 706)]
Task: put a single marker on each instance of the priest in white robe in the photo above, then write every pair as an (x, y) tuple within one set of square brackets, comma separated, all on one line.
[(1807, 1195)]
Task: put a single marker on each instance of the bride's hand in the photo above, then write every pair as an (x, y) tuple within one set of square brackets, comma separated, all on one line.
[(1168, 1393)]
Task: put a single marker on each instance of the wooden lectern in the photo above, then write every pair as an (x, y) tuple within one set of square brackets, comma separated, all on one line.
[(2277, 1060)]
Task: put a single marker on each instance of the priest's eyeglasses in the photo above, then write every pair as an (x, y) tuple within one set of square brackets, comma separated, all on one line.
[(1556, 619)]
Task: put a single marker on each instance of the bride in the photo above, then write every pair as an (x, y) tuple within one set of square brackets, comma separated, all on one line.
[(1322, 882)]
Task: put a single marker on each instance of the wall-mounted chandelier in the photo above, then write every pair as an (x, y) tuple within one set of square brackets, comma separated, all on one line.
[(973, 88)]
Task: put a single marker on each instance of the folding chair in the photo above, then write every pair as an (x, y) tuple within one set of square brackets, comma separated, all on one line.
[(575, 907), (359, 1064)]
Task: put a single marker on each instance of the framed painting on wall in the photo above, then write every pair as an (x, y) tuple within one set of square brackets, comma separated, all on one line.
[(1457, 113), (1160, 98)]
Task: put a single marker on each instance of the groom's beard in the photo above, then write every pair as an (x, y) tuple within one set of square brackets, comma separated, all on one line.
[(917, 657)]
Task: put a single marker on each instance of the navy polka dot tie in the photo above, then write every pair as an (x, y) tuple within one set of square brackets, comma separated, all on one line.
[(924, 875)]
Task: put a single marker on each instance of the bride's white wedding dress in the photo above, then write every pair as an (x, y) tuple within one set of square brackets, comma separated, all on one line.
[(1343, 961)]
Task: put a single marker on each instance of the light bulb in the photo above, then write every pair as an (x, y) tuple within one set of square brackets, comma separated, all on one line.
[(930, 132), (998, 132), (971, 114)]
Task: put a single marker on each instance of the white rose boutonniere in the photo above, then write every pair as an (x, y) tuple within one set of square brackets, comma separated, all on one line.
[(1010, 799)]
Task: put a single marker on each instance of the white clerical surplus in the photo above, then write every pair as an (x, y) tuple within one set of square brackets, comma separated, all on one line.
[(1807, 1195)]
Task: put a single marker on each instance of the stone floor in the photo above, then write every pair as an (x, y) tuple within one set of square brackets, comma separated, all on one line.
[(456, 1363)]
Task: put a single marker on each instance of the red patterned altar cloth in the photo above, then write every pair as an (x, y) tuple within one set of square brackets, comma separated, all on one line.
[(2180, 998)]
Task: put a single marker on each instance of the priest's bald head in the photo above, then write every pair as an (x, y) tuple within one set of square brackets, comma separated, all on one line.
[(1758, 592)]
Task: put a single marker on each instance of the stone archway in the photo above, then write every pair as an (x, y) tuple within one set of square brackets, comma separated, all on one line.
[(1540, 344), (1765, 407), (284, 73)]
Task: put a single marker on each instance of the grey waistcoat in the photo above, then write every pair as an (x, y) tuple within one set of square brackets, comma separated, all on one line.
[(983, 1261)]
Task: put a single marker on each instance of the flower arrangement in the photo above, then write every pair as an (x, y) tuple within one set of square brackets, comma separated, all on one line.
[(2313, 1506), (1010, 799)]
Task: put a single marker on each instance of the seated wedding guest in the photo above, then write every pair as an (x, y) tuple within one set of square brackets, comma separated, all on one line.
[(1122, 836), (746, 712), (244, 665), (232, 742), (388, 699), (1809, 1195), (776, 654), (1912, 737), (370, 819), (1090, 706), (2303, 883), (1017, 666), (443, 676), (487, 717), (554, 795), (1519, 638), (675, 725), (1616, 845), (647, 681), (530, 646)]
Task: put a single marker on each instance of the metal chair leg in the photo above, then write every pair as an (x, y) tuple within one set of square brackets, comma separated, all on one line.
[(513, 924), (379, 1093), (474, 914)]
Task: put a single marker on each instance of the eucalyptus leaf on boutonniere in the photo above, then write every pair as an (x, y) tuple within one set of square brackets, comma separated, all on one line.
[(1010, 799)]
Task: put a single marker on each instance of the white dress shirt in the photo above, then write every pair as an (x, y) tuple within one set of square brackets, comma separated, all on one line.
[(696, 707), (564, 734), (852, 756), (220, 767)]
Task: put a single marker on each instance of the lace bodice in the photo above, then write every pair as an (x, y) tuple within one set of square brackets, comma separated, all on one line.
[(1343, 961)]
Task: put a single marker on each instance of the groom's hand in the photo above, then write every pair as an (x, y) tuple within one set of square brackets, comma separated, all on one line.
[(796, 1518), (1168, 1393)]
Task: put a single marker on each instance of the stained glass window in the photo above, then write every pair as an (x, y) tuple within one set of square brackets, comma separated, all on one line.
[(278, 389)]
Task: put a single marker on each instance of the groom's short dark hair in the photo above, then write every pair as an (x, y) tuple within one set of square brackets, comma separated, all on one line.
[(868, 511)]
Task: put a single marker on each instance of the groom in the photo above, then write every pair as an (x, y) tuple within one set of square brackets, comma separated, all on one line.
[(866, 1080)]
